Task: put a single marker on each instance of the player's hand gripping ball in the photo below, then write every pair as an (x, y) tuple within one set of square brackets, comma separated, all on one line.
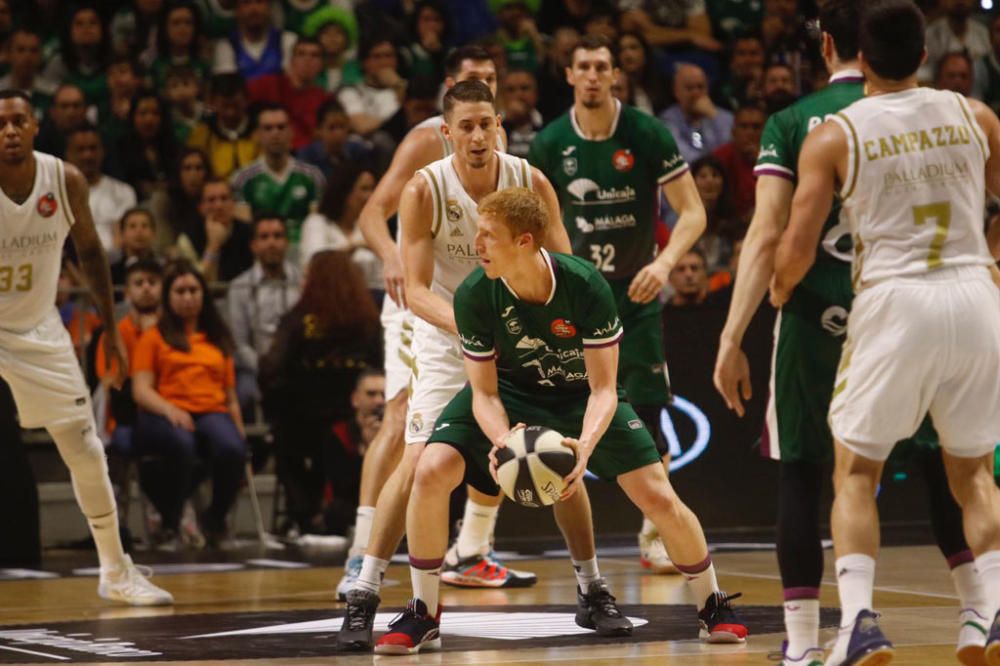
[(530, 469)]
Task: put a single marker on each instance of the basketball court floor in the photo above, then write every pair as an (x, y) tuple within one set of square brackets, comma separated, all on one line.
[(249, 608)]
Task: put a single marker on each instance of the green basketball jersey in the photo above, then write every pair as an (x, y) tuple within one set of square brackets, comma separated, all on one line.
[(538, 347), (780, 146), (608, 189), (288, 195)]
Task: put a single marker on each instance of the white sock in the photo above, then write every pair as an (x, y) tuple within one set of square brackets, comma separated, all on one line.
[(802, 626), (362, 530), (427, 584), (372, 573), (648, 527), (988, 566), (701, 580), (969, 588), (477, 526), (108, 541), (586, 572), (855, 580)]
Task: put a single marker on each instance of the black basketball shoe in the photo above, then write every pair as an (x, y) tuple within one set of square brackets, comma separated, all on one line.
[(597, 610), (359, 621), (719, 622)]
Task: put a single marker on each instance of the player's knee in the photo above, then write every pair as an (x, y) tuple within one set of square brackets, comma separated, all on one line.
[(974, 488), (79, 446), (395, 413), (438, 470)]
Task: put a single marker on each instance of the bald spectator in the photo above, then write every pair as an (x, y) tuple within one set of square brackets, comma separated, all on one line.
[(670, 23), (256, 47), (295, 89), (954, 31), (739, 156), (954, 73), (24, 57), (986, 75), (108, 196), (698, 126), (522, 119), (68, 110)]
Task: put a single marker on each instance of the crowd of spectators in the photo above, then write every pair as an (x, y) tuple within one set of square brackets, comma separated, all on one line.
[(240, 139)]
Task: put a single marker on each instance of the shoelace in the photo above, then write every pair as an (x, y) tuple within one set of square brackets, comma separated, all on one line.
[(357, 617), (606, 602), (410, 612), (722, 601)]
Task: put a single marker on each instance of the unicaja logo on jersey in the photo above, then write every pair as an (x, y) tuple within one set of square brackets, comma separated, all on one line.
[(562, 328), (47, 205)]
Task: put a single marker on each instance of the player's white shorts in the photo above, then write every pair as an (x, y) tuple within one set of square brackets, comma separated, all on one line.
[(917, 345), (397, 332), (44, 375), (439, 373)]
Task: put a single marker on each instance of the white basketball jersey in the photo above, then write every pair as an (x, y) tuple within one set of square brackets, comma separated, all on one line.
[(915, 184), (455, 215), (31, 240)]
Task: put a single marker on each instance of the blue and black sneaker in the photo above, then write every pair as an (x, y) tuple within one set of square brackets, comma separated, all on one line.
[(411, 631), (868, 646), (719, 622)]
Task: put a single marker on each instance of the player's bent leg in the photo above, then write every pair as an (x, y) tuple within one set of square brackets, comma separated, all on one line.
[(417, 628), (471, 562), (946, 522), (800, 559), (83, 454), (650, 490), (595, 605), (380, 460), (855, 525), (652, 554), (972, 483), (388, 527)]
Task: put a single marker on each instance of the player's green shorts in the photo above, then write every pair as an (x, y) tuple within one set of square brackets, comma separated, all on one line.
[(626, 445), (809, 336), (642, 364)]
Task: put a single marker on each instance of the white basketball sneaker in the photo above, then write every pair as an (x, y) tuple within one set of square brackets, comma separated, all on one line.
[(972, 632), (129, 585), (653, 556)]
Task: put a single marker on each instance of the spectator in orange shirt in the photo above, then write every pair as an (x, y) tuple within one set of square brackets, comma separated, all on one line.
[(143, 289), (184, 382)]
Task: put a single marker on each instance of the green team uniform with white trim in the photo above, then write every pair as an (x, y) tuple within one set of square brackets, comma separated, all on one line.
[(288, 195), (811, 328), (541, 374), (608, 191)]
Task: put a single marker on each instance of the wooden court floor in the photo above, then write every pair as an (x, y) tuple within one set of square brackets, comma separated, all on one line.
[(913, 590)]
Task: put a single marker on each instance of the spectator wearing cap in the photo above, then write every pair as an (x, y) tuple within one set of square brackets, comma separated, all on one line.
[(336, 30), (227, 136), (518, 32), (256, 47), (374, 100), (107, 196), (698, 126), (334, 146), (295, 90)]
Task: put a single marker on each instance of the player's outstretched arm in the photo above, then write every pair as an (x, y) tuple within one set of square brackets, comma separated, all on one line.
[(556, 238), (682, 194), (419, 148), (94, 264), (823, 156), (416, 217), (753, 275), (602, 376)]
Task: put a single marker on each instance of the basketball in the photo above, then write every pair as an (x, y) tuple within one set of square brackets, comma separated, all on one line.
[(532, 466)]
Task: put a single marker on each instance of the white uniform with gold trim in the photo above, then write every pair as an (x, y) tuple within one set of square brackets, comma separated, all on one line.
[(36, 353), (439, 369), (397, 322), (924, 332)]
